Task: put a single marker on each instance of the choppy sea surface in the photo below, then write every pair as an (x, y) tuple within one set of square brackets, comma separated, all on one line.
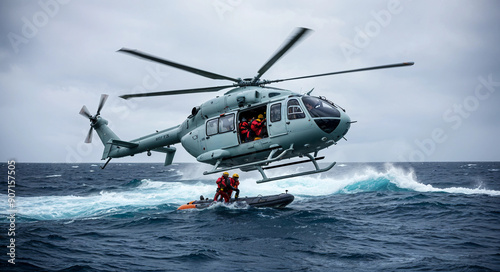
[(356, 217)]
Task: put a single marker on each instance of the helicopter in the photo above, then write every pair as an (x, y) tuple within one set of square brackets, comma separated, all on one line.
[(293, 124)]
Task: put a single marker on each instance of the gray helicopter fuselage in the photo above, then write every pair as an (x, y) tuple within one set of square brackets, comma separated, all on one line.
[(212, 131)]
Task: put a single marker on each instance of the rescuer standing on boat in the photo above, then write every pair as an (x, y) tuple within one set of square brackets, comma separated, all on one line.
[(234, 186), (223, 183)]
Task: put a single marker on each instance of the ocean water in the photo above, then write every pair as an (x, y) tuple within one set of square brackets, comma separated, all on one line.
[(356, 217)]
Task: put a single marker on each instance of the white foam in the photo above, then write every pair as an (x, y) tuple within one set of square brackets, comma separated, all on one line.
[(148, 194), (52, 176), (318, 185), (152, 193), (409, 181)]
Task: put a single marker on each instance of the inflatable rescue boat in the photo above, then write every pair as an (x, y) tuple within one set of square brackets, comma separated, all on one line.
[(272, 201)]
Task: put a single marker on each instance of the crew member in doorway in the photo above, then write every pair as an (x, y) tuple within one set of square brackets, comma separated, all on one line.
[(244, 128), (250, 134), (234, 186), (257, 127), (223, 184)]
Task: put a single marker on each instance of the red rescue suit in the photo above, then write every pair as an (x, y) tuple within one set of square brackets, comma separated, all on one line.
[(257, 126), (234, 187), (244, 128), (222, 184)]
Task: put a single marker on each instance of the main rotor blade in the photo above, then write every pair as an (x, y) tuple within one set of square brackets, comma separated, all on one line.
[(104, 97), (298, 35), (346, 71), (85, 112), (176, 65), (88, 140), (174, 92)]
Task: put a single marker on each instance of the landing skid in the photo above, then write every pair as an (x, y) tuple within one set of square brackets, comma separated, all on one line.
[(259, 166), (311, 159)]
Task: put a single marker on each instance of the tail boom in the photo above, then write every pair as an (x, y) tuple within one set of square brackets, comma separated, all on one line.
[(114, 147)]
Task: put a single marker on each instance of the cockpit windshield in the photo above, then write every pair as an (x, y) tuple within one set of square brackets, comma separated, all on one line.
[(320, 108)]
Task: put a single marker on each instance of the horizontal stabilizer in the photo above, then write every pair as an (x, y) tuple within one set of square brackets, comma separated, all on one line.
[(165, 149), (124, 143), (170, 151)]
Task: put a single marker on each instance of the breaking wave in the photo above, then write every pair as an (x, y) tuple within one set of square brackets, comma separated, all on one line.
[(146, 194), (367, 180)]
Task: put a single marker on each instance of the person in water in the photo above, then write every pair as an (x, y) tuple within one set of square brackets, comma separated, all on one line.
[(223, 184), (234, 182)]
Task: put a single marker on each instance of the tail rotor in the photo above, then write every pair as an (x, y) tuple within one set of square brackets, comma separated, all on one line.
[(85, 112), (88, 139), (93, 119)]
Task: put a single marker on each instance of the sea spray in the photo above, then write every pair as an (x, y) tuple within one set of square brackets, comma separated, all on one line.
[(146, 193)]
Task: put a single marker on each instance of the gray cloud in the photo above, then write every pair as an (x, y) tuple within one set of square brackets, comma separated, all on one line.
[(57, 56)]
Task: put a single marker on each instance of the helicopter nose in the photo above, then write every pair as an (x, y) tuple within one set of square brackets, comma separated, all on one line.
[(327, 125), (343, 126), (330, 118), (337, 128)]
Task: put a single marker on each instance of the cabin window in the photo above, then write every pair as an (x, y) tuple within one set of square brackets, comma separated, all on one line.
[(226, 123), (212, 127), (275, 113), (294, 110)]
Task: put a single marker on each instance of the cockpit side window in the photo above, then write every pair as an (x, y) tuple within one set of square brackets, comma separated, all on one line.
[(294, 110), (319, 108)]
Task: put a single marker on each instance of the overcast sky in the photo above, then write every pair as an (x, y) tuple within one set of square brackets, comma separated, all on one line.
[(56, 56)]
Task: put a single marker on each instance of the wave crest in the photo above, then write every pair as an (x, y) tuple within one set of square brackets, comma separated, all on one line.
[(137, 195)]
